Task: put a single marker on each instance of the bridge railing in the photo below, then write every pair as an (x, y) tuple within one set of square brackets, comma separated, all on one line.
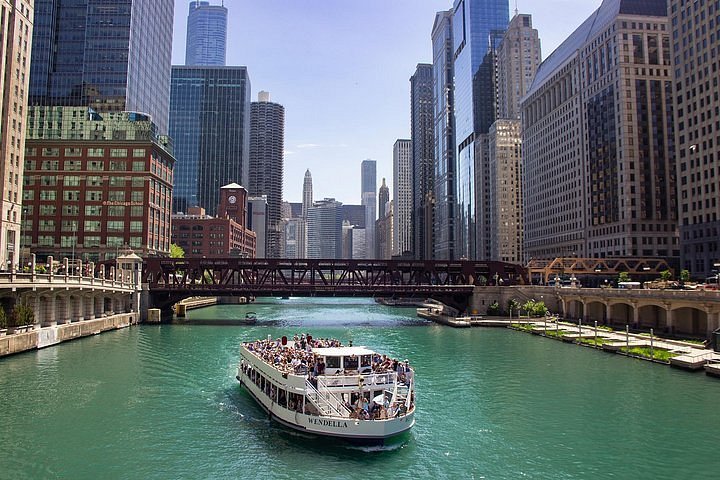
[(18, 279)]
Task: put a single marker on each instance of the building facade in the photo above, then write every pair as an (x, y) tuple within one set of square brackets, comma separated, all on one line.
[(112, 57), (206, 34), (257, 222), (325, 229), (203, 236), (695, 46), (16, 22), (210, 128), (368, 186), (423, 159), (443, 110), (95, 185), (267, 153), (598, 140), (474, 23), (402, 197), (517, 60)]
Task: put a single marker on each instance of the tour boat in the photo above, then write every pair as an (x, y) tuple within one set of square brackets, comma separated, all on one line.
[(324, 388)]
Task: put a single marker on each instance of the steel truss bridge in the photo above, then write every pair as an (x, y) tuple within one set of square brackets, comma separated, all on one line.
[(170, 280)]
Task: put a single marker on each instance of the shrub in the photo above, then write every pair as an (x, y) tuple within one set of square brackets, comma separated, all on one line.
[(494, 309), (3, 318), (22, 314)]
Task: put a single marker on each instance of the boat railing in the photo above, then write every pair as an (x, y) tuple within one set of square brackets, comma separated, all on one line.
[(379, 379), (326, 402)]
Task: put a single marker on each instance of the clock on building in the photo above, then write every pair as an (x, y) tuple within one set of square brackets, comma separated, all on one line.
[(232, 199)]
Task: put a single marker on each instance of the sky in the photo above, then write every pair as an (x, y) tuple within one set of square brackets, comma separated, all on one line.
[(341, 69)]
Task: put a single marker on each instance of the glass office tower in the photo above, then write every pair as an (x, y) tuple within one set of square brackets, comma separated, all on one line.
[(206, 34), (82, 56), (474, 22), (210, 126)]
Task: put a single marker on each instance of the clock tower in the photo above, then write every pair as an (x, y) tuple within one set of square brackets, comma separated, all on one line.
[(233, 203)]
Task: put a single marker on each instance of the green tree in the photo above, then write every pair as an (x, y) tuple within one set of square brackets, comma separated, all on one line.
[(539, 309), (176, 251), (623, 277), (513, 306), (494, 309), (665, 275), (22, 314), (529, 307), (3, 318), (684, 276)]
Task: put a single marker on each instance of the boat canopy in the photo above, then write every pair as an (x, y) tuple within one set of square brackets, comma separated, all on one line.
[(342, 351)]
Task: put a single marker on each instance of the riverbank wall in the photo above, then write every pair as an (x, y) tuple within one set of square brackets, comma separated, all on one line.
[(37, 338)]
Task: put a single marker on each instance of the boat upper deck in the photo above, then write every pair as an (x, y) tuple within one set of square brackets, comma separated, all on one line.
[(311, 357)]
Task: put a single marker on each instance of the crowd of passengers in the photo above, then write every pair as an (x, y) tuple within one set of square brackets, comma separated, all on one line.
[(297, 357)]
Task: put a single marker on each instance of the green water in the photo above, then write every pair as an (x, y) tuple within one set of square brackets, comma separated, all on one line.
[(161, 402)]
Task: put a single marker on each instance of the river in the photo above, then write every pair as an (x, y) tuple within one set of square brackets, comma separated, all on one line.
[(162, 402)]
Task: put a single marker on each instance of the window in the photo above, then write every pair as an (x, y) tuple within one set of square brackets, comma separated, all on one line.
[(48, 180), (136, 196), (68, 241), (118, 166), (47, 209), (48, 195), (96, 165), (93, 195), (71, 195), (46, 225), (138, 182), (115, 226), (116, 211), (117, 181), (96, 152), (138, 152), (91, 241), (118, 152), (92, 225), (93, 210), (71, 181), (73, 152), (138, 166), (136, 226), (50, 152), (115, 241), (73, 210), (116, 196), (136, 211), (69, 225), (50, 165), (136, 242), (93, 181), (73, 165), (46, 240)]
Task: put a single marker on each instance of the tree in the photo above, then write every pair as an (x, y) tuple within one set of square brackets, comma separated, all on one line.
[(176, 251), (665, 275), (529, 307), (539, 309), (513, 306), (494, 309), (623, 277), (3, 318), (22, 314), (684, 276)]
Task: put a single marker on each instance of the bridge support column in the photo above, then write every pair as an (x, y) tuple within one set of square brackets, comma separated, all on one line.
[(89, 310), (713, 321), (636, 315), (669, 318), (50, 317), (62, 304), (79, 309)]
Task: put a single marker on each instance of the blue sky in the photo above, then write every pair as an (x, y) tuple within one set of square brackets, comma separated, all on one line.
[(341, 68)]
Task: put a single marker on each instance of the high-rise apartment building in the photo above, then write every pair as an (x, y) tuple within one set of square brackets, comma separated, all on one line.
[(325, 229), (267, 153), (598, 140), (206, 34), (368, 186), (476, 25), (695, 48), (402, 197), (16, 27), (422, 134), (443, 109), (111, 56), (517, 60), (95, 185), (210, 128)]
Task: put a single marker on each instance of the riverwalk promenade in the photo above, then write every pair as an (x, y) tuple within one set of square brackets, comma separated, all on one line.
[(647, 346)]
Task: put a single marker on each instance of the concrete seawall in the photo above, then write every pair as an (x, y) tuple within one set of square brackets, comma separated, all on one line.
[(47, 336)]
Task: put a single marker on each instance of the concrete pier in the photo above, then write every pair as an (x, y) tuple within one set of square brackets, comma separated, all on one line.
[(36, 338)]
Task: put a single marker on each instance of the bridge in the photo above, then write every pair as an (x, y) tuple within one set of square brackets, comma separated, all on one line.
[(170, 280)]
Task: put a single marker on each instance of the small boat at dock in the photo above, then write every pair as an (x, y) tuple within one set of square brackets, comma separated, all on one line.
[(325, 388)]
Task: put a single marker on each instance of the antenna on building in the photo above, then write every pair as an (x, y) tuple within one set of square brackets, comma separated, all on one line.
[(516, 8)]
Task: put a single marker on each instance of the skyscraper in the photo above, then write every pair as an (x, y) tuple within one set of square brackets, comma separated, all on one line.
[(423, 158), (368, 186), (598, 140), (17, 23), (383, 198), (325, 229), (518, 58), (111, 56), (267, 147), (206, 34), (695, 46), (402, 197), (307, 193), (443, 109), (210, 127), (475, 22)]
